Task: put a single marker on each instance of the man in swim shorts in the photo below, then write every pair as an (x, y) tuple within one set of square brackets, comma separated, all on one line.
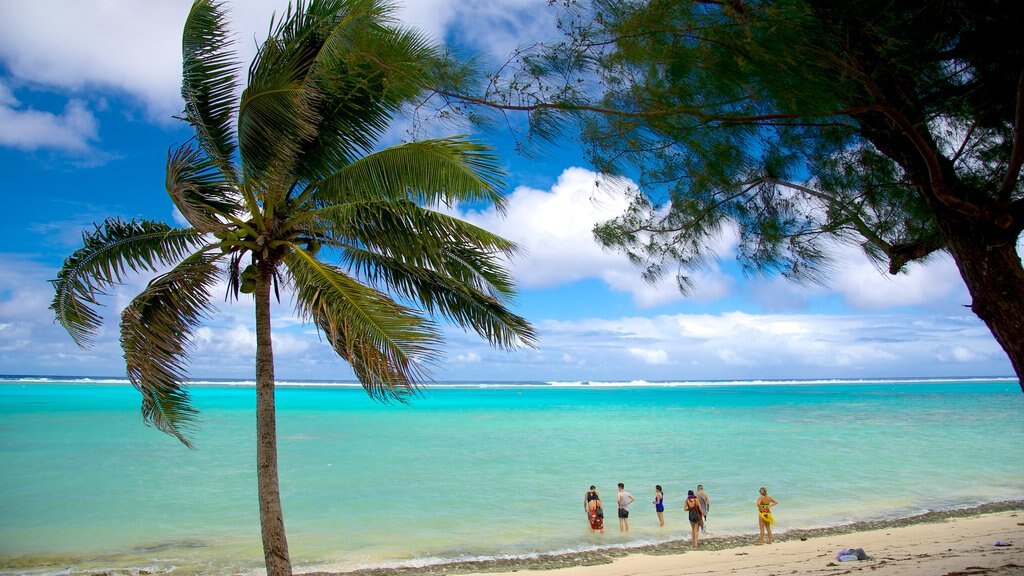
[(625, 499)]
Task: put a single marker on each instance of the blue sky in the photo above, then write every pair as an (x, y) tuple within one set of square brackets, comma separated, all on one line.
[(87, 91)]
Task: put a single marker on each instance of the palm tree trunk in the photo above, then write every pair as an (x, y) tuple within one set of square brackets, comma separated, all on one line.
[(275, 543)]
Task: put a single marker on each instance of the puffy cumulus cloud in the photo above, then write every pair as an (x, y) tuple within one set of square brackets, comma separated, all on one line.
[(74, 130), (862, 286), (555, 229)]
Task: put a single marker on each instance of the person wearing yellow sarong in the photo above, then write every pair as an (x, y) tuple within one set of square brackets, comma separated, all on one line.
[(764, 514)]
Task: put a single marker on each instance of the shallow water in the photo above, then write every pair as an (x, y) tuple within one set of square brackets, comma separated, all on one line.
[(470, 472)]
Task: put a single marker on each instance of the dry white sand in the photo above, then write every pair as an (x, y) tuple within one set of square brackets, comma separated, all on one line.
[(955, 547)]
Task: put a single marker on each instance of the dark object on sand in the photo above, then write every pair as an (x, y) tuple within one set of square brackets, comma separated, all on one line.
[(850, 554)]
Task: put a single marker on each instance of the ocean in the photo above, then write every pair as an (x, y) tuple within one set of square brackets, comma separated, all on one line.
[(480, 470)]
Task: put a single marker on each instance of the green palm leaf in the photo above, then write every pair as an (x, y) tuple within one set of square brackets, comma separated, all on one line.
[(277, 116), (388, 345), (155, 334), (209, 82), (199, 190), (438, 171), (452, 296), (366, 69), (403, 228), (447, 265), (105, 257)]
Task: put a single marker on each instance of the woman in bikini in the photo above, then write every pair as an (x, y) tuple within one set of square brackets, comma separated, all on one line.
[(764, 514)]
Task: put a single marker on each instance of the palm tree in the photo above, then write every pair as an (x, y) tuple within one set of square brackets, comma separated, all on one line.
[(300, 171)]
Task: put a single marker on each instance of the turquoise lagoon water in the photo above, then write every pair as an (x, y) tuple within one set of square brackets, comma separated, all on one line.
[(479, 470)]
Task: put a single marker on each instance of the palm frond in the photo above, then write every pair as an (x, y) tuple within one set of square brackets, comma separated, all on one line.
[(199, 190), (210, 81), (277, 115), (107, 254), (156, 328), (446, 265), (454, 292), (389, 346), (438, 171), (403, 228), (366, 69)]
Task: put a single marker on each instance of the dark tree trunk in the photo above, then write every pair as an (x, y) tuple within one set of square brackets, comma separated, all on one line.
[(275, 543), (980, 225), (992, 271)]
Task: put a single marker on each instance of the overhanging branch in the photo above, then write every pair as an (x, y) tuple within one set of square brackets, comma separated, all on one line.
[(1017, 155)]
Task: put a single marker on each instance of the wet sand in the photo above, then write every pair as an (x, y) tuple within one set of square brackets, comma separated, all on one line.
[(947, 543)]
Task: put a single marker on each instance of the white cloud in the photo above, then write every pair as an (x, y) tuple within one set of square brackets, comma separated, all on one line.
[(935, 285), (496, 28), (30, 341), (958, 354), (135, 48), (734, 345), (468, 358), (649, 356), (239, 340), (762, 346), (178, 218), (26, 129), (116, 44), (7, 97), (863, 287), (554, 228)]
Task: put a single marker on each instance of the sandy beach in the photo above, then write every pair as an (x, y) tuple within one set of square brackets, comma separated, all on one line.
[(949, 543), (957, 547)]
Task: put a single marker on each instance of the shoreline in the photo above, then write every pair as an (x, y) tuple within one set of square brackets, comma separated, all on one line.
[(604, 557)]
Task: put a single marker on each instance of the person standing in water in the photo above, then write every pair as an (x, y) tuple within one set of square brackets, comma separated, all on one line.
[(694, 513), (625, 499), (764, 514), (592, 507), (659, 504), (705, 505)]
